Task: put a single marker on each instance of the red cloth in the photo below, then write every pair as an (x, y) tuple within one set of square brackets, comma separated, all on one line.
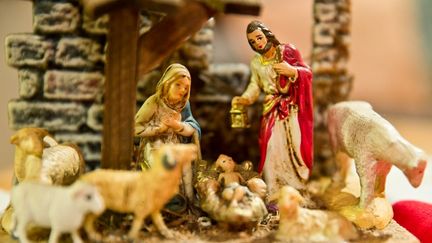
[(301, 93), (416, 217)]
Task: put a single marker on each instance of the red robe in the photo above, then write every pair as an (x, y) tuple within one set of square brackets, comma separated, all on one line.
[(299, 93)]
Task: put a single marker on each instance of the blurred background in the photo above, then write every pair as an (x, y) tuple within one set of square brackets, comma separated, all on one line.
[(391, 61)]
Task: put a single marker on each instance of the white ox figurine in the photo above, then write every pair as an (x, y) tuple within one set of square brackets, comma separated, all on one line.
[(61, 208), (375, 145)]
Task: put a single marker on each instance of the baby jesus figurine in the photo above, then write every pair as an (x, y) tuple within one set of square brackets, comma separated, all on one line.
[(232, 181)]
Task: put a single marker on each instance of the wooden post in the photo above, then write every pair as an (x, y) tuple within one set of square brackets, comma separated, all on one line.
[(120, 88)]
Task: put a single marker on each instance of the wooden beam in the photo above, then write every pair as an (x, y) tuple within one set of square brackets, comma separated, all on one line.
[(120, 88), (247, 7), (96, 8), (167, 35)]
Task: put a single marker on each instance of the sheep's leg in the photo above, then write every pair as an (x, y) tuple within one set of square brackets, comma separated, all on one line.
[(76, 237), (21, 232), (187, 183), (366, 169), (160, 225), (55, 234), (382, 170), (136, 226), (89, 227)]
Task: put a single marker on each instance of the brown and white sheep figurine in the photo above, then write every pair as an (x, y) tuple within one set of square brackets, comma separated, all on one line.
[(142, 193), (38, 157), (60, 208), (356, 130), (299, 224)]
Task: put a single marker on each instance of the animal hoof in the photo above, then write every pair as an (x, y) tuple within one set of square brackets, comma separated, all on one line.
[(168, 234), (95, 237)]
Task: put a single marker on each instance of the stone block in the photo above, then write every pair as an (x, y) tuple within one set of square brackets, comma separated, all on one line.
[(50, 115), (324, 33), (30, 83), (95, 117), (204, 36), (325, 12), (146, 85), (78, 52), (72, 85), (55, 17), (97, 26), (89, 143), (28, 50)]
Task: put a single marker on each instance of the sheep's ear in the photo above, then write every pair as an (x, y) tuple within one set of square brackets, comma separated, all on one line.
[(14, 139), (168, 161)]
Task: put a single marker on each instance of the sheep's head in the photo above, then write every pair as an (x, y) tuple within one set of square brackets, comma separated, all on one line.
[(288, 201), (173, 156), (225, 163), (415, 175), (30, 140), (87, 197), (257, 186)]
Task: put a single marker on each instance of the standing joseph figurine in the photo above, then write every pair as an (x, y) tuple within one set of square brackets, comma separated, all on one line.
[(166, 116), (286, 133)]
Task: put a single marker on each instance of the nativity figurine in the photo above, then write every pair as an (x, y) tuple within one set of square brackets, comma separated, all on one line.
[(286, 133), (166, 118), (230, 197), (298, 224), (143, 193), (375, 145), (62, 209), (40, 158)]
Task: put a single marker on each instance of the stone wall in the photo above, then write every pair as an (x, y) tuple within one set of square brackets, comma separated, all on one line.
[(61, 71), (332, 82)]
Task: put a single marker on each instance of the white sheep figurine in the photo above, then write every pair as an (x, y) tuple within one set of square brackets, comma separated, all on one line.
[(356, 130), (299, 224), (62, 209), (142, 193), (38, 157)]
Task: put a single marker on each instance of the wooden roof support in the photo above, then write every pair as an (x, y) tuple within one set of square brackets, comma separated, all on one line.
[(129, 57), (120, 88), (166, 36)]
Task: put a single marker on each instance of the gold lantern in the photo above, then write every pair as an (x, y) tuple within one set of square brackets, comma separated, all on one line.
[(239, 118)]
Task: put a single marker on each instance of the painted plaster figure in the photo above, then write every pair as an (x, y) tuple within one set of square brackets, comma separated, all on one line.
[(39, 158), (143, 193), (286, 134), (62, 209), (375, 145), (166, 118), (299, 224)]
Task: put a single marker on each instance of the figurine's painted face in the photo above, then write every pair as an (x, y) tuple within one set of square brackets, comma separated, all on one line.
[(259, 41), (226, 163), (179, 89)]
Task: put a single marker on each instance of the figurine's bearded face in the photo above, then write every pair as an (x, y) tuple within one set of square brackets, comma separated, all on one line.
[(179, 89), (259, 41)]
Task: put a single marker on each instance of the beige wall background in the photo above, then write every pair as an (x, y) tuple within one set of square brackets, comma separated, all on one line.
[(386, 58)]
